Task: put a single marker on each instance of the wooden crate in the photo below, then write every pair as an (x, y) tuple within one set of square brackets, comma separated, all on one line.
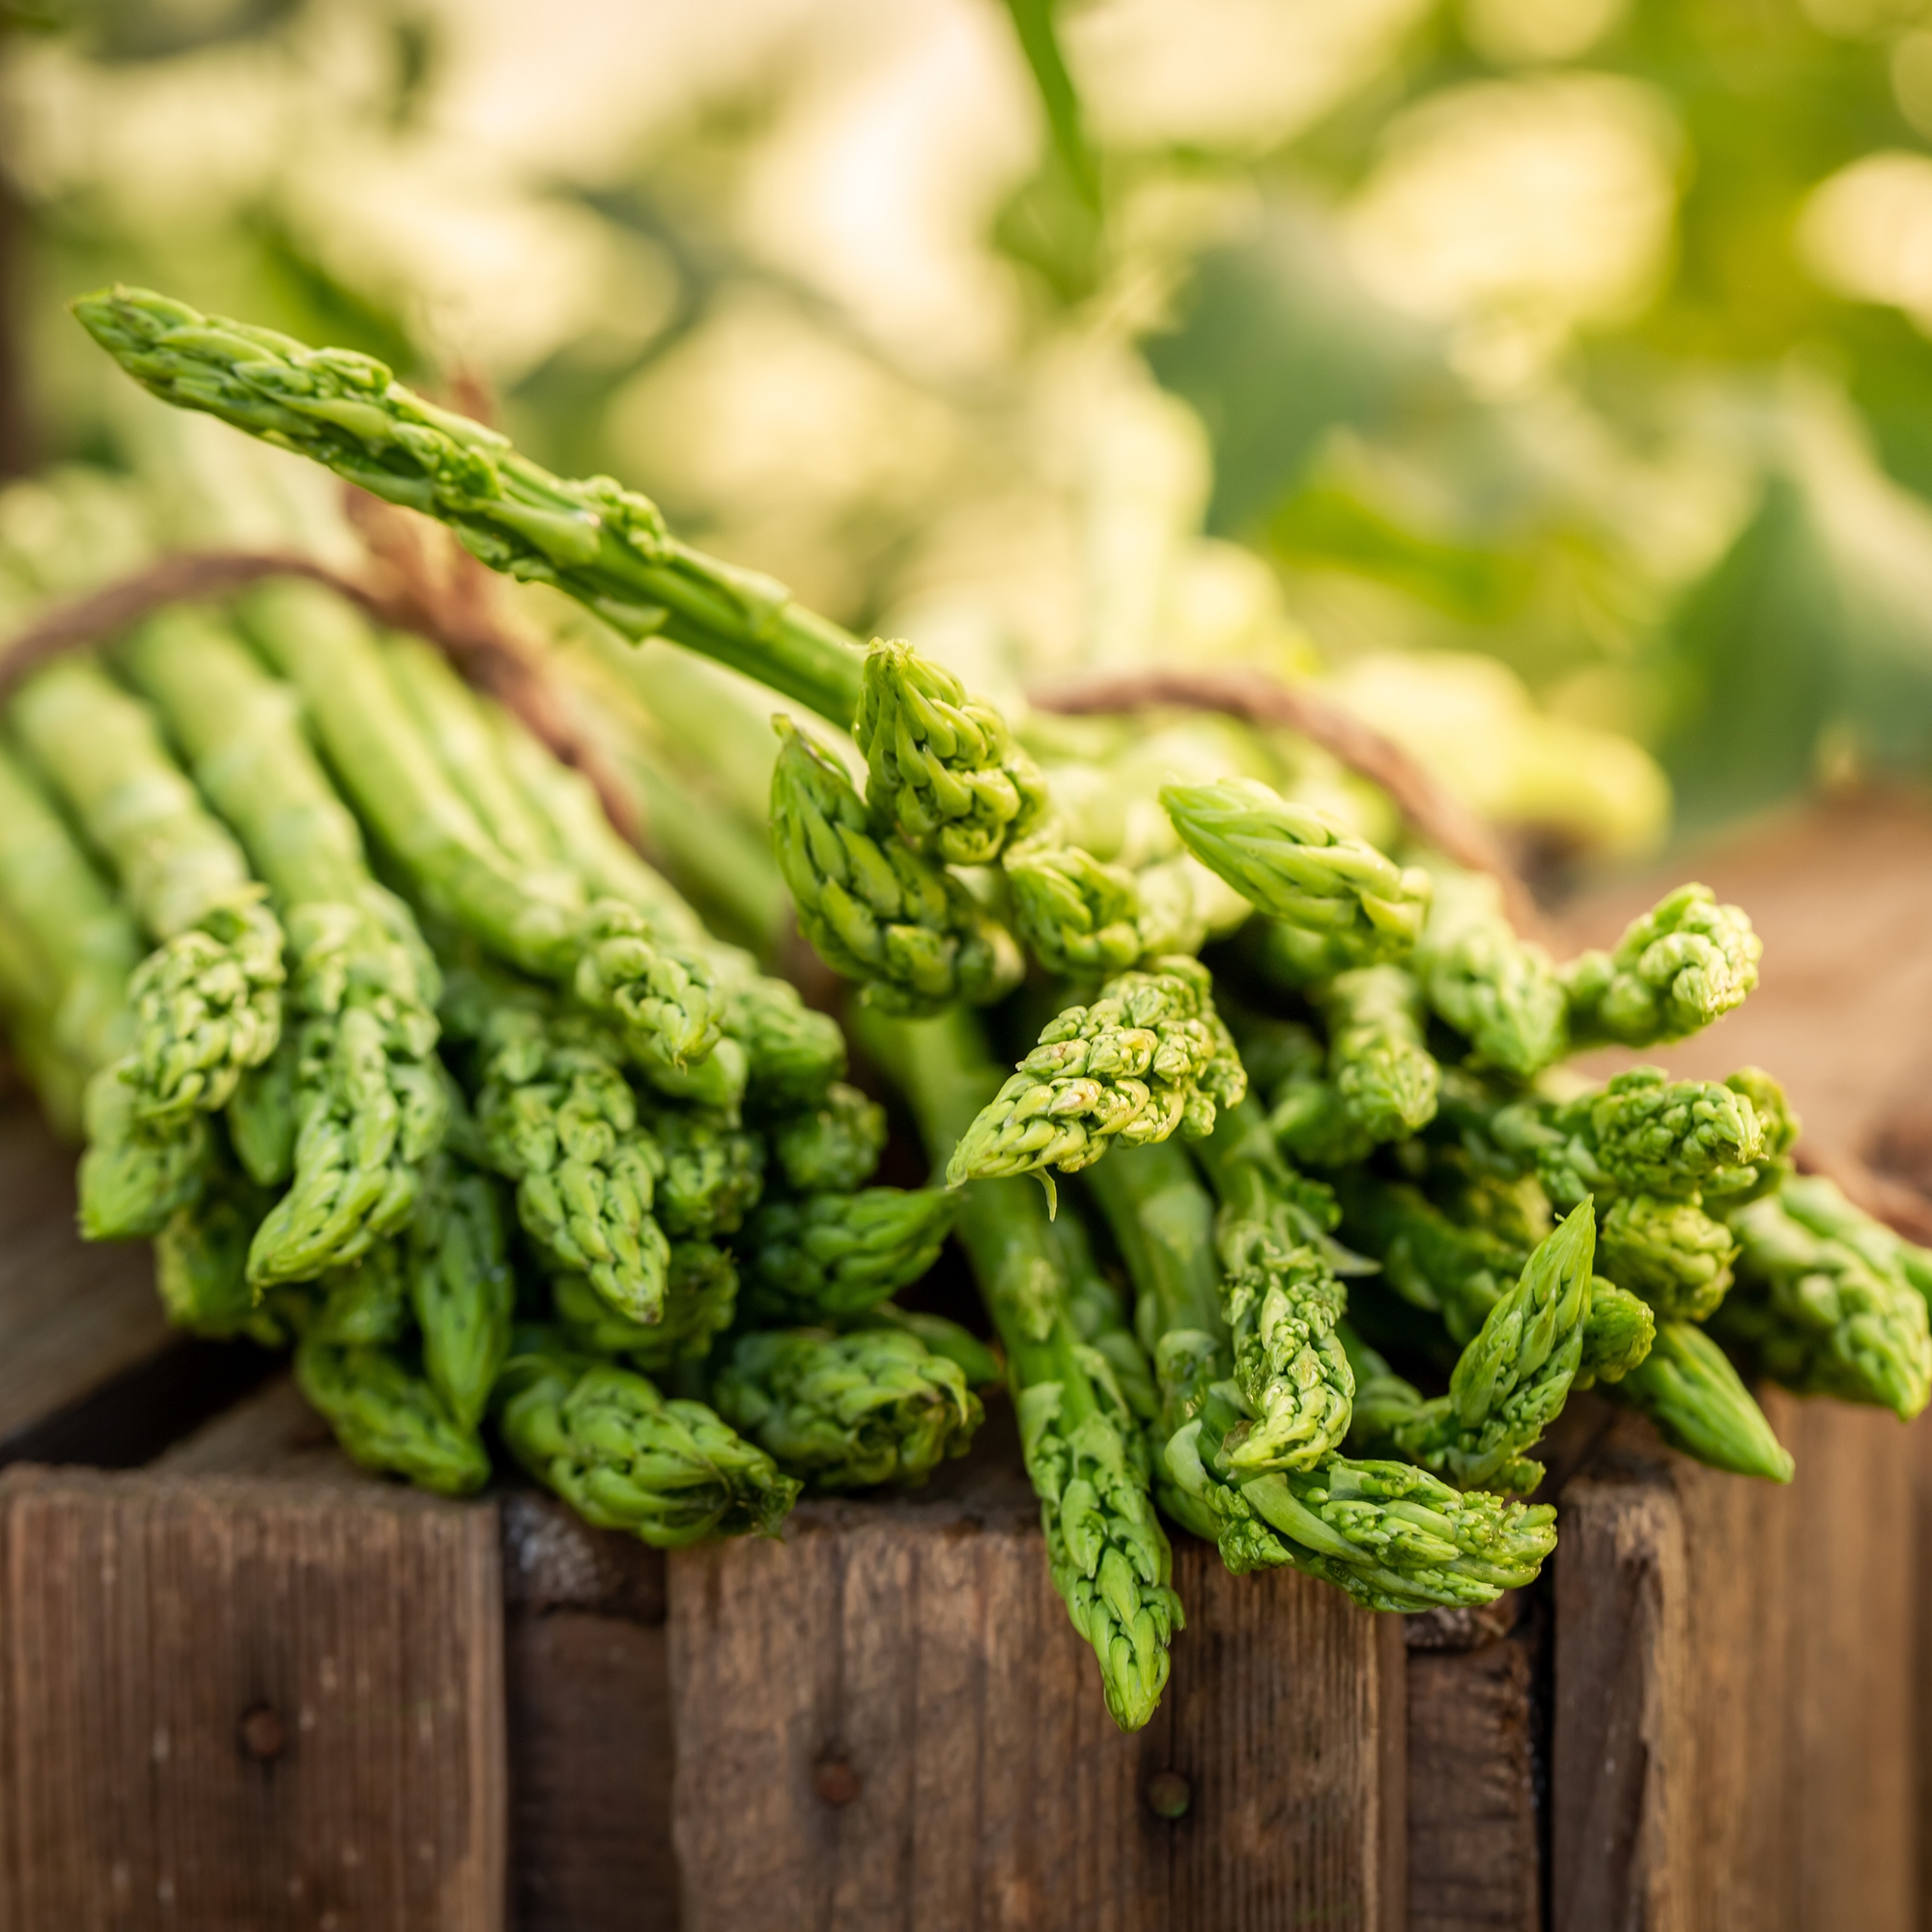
[(244, 1687)]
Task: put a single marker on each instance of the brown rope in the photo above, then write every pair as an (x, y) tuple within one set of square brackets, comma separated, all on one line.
[(1429, 809), (466, 626)]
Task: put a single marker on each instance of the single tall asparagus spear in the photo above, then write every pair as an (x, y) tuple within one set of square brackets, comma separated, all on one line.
[(605, 546), (366, 1099), (208, 1001), (1084, 1450), (1680, 966), (1282, 1301), (1295, 864), (1831, 1311), (664, 999), (1148, 1056), (623, 1458), (874, 909), (1513, 1380), (848, 1411)]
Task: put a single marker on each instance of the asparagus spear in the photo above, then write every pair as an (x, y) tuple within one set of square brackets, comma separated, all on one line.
[(831, 1148), (1148, 1056), (208, 1001), (831, 1257), (459, 1286), (623, 1458), (1429, 1259), (388, 1418), (1501, 993), (1084, 1450), (81, 937), (1825, 1304), (1162, 1221), (662, 998), (1385, 1077), (1282, 1301), (1680, 966), (1512, 1381), (848, 1411), (874, 909), (363, 1098), (1688, 1387), (602, 545), (710, 1173), (1671, 1252), (1084, 918), (558, 1119), (700, 1299), (940, 766), (1295, 864), (201, 1262), (793, 1054)]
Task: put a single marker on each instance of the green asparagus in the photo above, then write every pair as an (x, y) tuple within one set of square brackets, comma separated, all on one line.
[(831, 1148), (605, 546), (874, 909), (1688, 1389), (1680, 966), (1149, 1055), (461, 1288), (388, 1418), (848, 1411), (1501, 993), (624, 1458), (830, 1257), (700, 1300)]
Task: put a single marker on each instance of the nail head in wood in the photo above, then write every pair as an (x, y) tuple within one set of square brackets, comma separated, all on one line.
[(1169, 1794), (263, 1736), (836, 1782)]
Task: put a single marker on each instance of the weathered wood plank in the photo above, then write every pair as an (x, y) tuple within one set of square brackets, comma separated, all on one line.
[(244, 1704), (887, 1717), (1735, 1674), (1475, 1861)]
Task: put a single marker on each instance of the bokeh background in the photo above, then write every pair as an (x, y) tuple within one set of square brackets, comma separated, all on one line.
[(1548, 377)]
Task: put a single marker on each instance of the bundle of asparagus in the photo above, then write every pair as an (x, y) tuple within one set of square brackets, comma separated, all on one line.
[(538, 1160)]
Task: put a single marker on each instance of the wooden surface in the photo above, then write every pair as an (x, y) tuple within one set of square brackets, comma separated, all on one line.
[(887, 1719), (1475, 1724), (231, 1703), (1736, 1672)]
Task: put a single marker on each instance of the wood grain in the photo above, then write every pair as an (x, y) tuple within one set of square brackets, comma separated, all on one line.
[(888, 1720), (1736, 1667), (235, 1704), (1474, 1841)]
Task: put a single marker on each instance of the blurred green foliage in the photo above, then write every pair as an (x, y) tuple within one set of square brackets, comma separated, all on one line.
[(1588, 336)]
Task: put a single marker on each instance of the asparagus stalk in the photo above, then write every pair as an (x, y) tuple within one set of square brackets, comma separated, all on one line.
[(664, 999), (792, 1053), (1148, 1056), (1825, 1302), (208, 1001), (201, 1262), (1512, 1381), (700, 1299), (1282, 1300), (1688, 1389), (851, 1411), (605, 546), (1501, 993), (460, 1287), (829, 1258), (623, 1458), (1295, 864), (831, 1148), (1384, 1076), (1432, 1261), (874, 909), (1680, 966), (940, 766), (1085, 1451), (710, 1173), (388, 1418), (362, 1093)]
